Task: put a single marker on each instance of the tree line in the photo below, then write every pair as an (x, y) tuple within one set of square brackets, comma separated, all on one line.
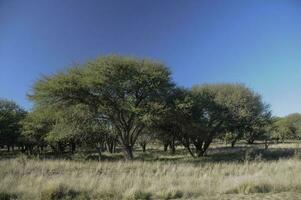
[(123, 102)]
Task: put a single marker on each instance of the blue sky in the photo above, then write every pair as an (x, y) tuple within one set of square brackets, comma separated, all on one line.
[(254, 42)]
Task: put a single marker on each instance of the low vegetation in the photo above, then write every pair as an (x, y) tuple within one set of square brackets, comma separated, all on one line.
[(164, 177)]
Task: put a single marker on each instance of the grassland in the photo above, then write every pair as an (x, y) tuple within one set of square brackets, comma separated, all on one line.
[(226, 173)]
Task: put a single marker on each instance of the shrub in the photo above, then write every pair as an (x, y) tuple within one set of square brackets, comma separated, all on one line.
[(252, 155), (171, 195), (248, 188), (62, 192), (139, 195), (7, 196), (106, 196)]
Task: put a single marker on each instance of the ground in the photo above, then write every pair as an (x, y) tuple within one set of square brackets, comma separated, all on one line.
[(243, 172)]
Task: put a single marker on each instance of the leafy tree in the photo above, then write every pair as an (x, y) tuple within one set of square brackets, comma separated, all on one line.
[(10, 116), (227, 110), (283, 129), (295, 119), (246, 113), (63, 127), (123, 92), (145, 138), (170, 125), (209, 116), (35, 127)]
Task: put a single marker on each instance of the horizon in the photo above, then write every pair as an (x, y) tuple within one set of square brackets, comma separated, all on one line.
[(251, 42)]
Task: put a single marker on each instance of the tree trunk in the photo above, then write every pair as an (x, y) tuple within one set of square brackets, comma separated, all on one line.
[(128, 153), (114, 147), (61, 147), (251, 141), (73, 147), (165, 147), (190, 152), (8, 148), (233, 143), (201, 153), (110, 146), (172, 146), (205, 147), (266, 144), (22, 149), (143, 147)]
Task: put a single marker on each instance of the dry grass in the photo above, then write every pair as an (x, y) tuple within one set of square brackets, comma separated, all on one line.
[(58, 179), (245, 172)]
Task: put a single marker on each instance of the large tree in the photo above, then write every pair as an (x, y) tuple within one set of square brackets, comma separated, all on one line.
[(227, 109), (124, 93)]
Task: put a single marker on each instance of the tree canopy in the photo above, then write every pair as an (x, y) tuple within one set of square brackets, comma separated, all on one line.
[(122, 92), (10, 116), (122, 101)]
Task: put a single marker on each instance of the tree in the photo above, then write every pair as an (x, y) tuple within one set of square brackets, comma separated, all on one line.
[(124, 92), (283, 129), (10, 116), (69, 126), (295, 120), (209, 116), (145, 138), (226, 110), (246, 113), (35, 127), (176, 123)]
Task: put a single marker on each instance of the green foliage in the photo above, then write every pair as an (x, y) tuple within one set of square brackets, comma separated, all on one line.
[(284, 129), (295, 120), (230, 110), (119, 100), (10, 116), (62, 192), (37, 125), (7, 196), (124, 93), (244, 114)]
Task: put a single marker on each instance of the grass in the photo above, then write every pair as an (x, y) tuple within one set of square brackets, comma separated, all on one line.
[(158, 176)]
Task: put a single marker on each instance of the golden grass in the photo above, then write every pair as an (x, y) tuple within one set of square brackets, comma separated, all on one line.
[(29, 179)]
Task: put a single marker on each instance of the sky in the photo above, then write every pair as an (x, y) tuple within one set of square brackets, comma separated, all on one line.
[(254, 42)]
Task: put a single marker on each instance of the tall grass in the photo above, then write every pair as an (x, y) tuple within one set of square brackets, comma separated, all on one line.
[(59, 179)]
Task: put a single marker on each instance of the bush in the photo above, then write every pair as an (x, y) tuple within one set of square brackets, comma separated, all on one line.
[(252, 155), (7, 196), (139, 195), (106, 196), (248, 188), (172, 195), (62, 192)]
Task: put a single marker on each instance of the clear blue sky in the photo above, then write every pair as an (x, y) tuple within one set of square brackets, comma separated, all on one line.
[(256, 42)]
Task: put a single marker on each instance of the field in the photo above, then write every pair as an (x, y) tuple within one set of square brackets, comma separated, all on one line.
[(226, 173)]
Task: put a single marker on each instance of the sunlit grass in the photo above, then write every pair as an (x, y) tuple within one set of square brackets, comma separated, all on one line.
[(30, 179), (225, 174)]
